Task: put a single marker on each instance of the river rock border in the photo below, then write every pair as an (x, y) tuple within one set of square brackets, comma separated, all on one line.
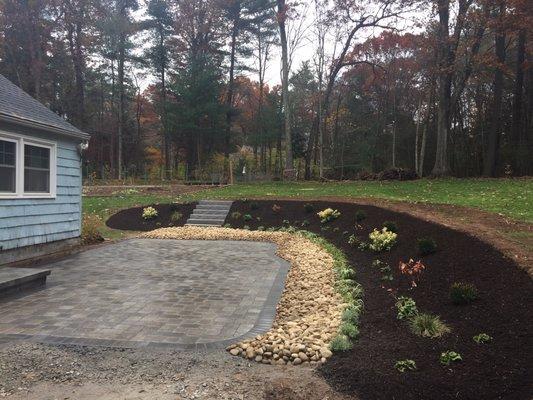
[(308, 314)]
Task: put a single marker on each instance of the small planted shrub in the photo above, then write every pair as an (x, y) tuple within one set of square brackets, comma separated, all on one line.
[(309, 208), (391, 226), (227, 225), (428, 325), (89, 229), (463, 293), (328, 214), (305, 223), (340, 343), (276, 209), (382, 240), (286, 222), (426, 246), (482, 338), (246, 217), (149, 213), (235, 215), (352, 314), (254, 205), (448, 357), (258, 219), (406, 307), (175, 217), (261, 228), (405, 365), (360, 215), (246, 227), (350, 330), (413, 270)]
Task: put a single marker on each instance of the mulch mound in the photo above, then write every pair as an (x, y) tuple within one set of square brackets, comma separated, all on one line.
[(501, 369), (131, 218)]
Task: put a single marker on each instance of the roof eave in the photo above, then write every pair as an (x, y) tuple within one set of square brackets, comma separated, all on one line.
[(53, 129)]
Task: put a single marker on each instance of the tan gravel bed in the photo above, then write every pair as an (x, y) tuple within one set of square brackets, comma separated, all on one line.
[(308, 314)]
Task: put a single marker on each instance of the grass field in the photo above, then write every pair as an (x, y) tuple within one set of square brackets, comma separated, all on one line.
[(510, 197)]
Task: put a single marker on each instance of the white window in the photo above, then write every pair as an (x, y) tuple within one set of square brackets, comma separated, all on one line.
[(27, 167)]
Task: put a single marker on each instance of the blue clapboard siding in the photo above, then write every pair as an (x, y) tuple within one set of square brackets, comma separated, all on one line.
[(25, 222)]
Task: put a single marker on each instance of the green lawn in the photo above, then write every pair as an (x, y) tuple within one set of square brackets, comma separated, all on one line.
[(509, 197)]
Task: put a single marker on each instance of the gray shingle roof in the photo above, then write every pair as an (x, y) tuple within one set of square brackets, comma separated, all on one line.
[(17, 106)]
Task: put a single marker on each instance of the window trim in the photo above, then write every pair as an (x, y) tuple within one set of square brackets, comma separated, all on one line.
[(20, 142)]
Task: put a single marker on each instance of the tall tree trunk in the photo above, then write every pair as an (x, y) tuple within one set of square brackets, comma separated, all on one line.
[(120, 73), (517, 122), (164, 122), (231, 82), (281, 17), (491, 158), (441, 167)]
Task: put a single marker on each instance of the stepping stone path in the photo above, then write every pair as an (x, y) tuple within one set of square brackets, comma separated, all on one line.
[(210, 213)]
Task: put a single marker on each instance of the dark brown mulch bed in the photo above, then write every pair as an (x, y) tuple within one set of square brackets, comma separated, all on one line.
[(501, 369), (131, 218)]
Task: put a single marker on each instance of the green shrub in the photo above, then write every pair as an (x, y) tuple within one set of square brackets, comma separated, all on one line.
[(406, 307), (176, 216), (427, 325), (360, 215), (405, 365), (235, 215), (305, 223), (482, 338), (340, 343), (350, 330), (227, 225), (309, 208), (258, 219), (246, 217), (352, 314), (346, 273), (89, 229), (149, 213), (463, 293), (391, 226), (426, 246), (328, 214), (382, 240), (254, 205), (447, 357), (286, 222)]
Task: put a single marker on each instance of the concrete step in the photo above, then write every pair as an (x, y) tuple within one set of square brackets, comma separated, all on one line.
[(212, 207), (14, 280), (210, 213)]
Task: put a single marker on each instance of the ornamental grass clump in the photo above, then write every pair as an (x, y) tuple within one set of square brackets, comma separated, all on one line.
[(149, 213), (340, 343), (428, 325), (382, 240), (89, 229), (350, 330), (463, 293), (329, 214), (482, 338), (176, 216)]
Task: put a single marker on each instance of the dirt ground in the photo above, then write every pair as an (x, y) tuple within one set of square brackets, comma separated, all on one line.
[(32, 371)]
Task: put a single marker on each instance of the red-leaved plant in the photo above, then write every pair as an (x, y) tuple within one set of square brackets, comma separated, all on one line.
[(413, 270)]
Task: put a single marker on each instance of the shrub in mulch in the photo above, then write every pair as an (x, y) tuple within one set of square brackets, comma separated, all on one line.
[(493, 371), (132, 219)]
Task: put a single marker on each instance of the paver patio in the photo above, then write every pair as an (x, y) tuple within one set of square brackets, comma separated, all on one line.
[(146, 292)]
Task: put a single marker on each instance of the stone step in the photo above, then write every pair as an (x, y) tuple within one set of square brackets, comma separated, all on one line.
[(216, 202), (198, 221), (14, 280), (221, 217), (209, 211)]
